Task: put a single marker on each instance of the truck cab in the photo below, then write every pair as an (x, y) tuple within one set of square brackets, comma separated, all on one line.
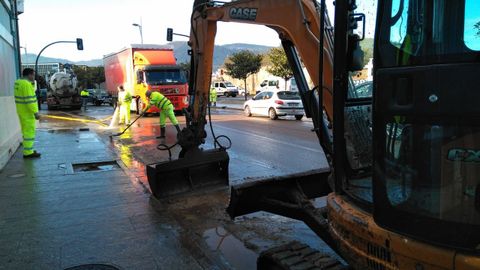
[(169, 80), (142, 67)]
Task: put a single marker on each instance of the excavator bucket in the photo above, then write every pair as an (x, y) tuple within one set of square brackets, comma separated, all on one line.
[(196, 171)]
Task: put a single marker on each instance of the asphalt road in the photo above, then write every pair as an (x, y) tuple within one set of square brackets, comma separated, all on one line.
[(263, 147)]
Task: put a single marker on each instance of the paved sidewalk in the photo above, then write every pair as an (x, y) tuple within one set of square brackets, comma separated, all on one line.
[(55, 217)]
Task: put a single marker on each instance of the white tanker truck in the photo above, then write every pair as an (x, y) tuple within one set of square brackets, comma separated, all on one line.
[(63, 91)]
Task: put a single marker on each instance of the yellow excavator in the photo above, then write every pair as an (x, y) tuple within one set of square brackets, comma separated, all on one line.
[(403, 184)]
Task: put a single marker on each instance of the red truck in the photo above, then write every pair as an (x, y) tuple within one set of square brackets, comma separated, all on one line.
[(146, 67)]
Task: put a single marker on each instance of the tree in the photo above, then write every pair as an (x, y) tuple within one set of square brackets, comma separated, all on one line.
[(89, 77), (243, 64), (367, 48), (477, 26), (279, 64)]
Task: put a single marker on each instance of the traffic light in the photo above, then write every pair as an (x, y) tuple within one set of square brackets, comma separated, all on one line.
[(79, 44), (169, 34)]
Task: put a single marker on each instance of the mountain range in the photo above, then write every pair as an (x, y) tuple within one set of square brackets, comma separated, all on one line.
[(180, 49)]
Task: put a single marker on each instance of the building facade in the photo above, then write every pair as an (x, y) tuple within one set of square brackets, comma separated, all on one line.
[(46, 70), (10, 135)]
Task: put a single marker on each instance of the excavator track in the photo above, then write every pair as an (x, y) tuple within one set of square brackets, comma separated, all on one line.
[(297, 256)]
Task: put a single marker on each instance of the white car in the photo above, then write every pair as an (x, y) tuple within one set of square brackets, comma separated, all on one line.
[(225, 89), (241, 91), (274, 104)]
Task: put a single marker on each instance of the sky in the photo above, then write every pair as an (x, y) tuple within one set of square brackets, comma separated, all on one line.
[(472, 16), (106, 26)]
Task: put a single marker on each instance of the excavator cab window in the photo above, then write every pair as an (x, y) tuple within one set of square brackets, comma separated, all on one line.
[(427, 120), (358, 111)]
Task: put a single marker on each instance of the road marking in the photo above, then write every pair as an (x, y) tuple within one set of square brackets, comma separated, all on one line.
[(270, 139)]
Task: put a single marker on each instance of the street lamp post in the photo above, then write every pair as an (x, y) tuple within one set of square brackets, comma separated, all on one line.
[(139, 28), (25, 50)]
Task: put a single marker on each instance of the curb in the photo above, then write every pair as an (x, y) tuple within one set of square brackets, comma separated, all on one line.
[(227, 108)]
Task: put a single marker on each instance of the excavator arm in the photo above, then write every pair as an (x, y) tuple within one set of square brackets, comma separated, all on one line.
[(297, 23)]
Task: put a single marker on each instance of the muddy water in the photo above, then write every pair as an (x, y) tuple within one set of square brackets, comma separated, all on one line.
[(231, 248)]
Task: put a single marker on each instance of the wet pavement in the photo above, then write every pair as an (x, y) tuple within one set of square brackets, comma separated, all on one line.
[(87, 199)]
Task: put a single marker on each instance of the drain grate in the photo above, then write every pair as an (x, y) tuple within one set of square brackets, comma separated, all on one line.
[(96, 166), (93, 267), (61, 130)]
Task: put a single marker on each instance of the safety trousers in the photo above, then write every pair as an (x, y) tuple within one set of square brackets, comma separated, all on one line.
[(125, 112), (168, 112), (28, 132)]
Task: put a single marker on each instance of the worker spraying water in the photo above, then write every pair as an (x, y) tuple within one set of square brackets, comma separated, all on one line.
[(124, 103), (115, 118), (166, 110)]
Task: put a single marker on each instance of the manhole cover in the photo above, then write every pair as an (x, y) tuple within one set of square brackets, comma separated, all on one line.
[(93, 267), (96, 166)]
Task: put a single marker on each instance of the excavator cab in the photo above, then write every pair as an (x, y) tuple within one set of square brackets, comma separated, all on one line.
[(413, 181), (426, 129)]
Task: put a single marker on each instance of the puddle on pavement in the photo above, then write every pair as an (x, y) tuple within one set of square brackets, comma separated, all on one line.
[(96, 166), (232, 249), (87, 135), (18, 175)]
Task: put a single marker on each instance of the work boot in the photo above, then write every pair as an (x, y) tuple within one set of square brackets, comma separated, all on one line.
[(178, 128), (162, 133), (35, 154)]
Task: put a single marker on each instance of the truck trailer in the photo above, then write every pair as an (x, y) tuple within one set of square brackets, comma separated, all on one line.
[(146, 67)]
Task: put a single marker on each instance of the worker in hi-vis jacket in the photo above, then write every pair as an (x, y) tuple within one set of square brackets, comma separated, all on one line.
[(166, 110), (27, 110)]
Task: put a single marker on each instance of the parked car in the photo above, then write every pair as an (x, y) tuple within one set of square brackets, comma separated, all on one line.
[(269, 85), (226, 89), (274, 104), (101, 96), (293, 85), (91, 94), (278, 85), (241, 91)]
